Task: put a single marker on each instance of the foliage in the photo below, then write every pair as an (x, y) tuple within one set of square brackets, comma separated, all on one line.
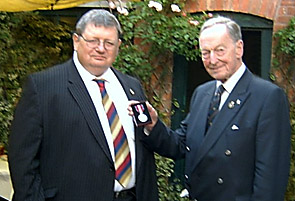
[(284, 75), (286, 40), (157, 33), (284, 59), (165, 30), (170, 187), (132, 60), (28, 43)]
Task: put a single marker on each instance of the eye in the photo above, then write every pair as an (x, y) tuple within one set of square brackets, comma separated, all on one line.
[(205, 54), (220, 51), (109, 44), (93, 42)]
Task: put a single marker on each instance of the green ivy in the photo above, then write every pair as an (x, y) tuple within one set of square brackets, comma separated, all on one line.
[(284, 66), (163, 32), (28, 43), (286, 40)]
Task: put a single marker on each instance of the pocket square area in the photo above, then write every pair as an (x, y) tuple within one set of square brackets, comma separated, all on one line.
[(234, 127)]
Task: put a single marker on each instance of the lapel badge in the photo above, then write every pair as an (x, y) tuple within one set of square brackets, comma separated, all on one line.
[(132, 92), (238, 101), (231, 104)]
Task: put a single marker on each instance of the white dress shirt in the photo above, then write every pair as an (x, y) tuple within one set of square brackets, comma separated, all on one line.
[(120, 100), (230, 84)]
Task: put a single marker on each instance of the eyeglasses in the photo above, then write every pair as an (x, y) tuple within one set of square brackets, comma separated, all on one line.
[(108, 45), (220, 51)]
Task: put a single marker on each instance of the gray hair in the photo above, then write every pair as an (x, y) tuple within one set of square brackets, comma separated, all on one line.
[(232, 27), (98, 17)]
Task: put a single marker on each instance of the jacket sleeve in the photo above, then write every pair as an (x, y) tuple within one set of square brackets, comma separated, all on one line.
[(169, 143), (166, 142), (24, 144), (272, 148)]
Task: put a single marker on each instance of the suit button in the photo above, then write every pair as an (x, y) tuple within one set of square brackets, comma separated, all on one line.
[(187, 148), (186, 176), (220, 180), (227, 152)]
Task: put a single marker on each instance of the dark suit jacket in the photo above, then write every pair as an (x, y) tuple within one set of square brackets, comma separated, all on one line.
[(244, 156), (57, 148)]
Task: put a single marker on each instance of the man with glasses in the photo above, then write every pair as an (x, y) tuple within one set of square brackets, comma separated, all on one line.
[(72, 138), (236, 136)]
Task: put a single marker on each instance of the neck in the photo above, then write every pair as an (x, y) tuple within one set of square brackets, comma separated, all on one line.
[(96, 71)]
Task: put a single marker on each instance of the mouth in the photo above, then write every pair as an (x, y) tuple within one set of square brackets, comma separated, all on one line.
[(214, 68), (98, 57)]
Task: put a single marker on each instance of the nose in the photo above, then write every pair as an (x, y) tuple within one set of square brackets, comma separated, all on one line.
[(213, 58), (100, 47)]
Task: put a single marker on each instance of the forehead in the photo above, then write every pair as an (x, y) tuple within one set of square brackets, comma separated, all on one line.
[(214, 36), (101, 31)]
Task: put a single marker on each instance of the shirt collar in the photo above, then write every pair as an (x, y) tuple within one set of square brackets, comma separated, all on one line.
[(233, 80)]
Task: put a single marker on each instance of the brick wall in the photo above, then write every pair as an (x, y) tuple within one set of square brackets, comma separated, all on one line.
[(280, 11), (285, 11)]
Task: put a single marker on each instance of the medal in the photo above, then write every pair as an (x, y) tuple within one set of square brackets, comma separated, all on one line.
[(141, 114), (141, 117)]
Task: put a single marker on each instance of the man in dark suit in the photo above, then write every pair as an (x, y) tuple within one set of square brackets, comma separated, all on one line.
[(239, 151), (61, 143)]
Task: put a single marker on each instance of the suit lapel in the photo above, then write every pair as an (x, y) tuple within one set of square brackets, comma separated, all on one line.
[(200, 115), (130, 91), (197, 126), (229, 110), (80, 94)]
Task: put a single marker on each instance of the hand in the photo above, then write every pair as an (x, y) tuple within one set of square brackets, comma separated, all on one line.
[(151, 110)]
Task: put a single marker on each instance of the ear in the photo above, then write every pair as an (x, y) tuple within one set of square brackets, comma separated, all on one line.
[(119, 43), (239, 48), (76, 39)]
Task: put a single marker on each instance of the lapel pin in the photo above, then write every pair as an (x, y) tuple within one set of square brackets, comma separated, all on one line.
[(231, 104), (238, 101), (132, 92), (234, 127)]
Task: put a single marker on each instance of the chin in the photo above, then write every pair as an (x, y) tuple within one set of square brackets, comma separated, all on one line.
[(218, 77), (98, 64)]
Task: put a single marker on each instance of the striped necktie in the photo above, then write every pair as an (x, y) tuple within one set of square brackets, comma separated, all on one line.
[(122, 152), (214, 105)]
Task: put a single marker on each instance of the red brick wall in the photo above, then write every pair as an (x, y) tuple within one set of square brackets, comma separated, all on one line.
[(280, 11), (285, 11)]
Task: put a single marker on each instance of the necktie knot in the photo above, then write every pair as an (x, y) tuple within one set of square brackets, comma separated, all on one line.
[(220, 90), (100, 82)]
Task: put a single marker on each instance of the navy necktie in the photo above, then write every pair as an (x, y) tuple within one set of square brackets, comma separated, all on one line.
[(214, 105)]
